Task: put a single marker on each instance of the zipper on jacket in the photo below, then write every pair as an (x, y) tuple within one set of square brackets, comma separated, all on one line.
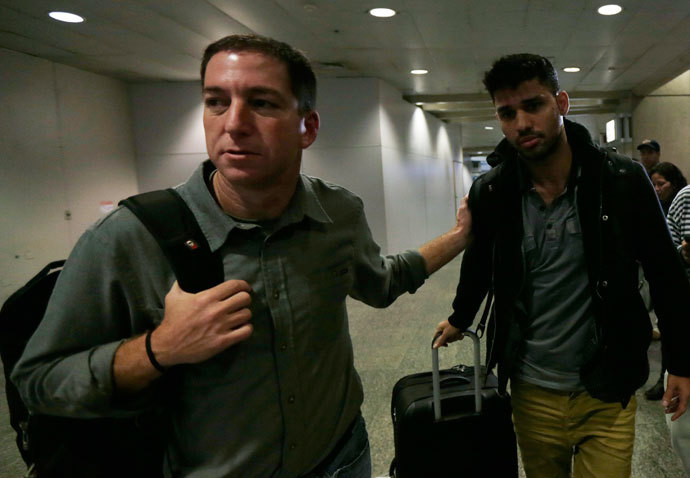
[(600, 232), (492, 316)]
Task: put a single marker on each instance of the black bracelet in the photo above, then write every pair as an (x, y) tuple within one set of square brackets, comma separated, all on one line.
[(149, 352)]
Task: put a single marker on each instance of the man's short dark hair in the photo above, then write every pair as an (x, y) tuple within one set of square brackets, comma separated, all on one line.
[(509, 71), (302, 78)]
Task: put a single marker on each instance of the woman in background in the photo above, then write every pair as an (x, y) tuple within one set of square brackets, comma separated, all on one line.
[(667, 180)]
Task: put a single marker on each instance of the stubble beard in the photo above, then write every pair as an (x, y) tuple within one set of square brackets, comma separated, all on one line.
[(541, 153)]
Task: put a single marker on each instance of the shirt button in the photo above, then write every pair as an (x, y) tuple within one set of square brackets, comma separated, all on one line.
[(276, 294), (604, 283), (291, 399), (283, 347), (604, 218), (292, 446)]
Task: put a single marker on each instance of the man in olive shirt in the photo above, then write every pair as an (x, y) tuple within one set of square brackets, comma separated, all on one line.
[(267, 385)]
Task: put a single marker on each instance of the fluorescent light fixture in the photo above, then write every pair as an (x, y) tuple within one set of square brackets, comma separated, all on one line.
[(419, 72), (488, 127), (610, 9), (66, 17), (571, 69), (382, 12), (480, 152), (611, 131)]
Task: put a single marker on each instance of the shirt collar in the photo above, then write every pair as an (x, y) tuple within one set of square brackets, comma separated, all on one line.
[(216, 225), (525, 182)]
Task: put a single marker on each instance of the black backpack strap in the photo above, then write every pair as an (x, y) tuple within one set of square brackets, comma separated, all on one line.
[(172, 224)]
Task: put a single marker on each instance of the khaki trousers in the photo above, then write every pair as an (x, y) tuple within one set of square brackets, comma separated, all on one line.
[(560, 433)]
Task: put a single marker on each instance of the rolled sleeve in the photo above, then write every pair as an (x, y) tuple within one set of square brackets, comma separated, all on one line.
[(66, 367)]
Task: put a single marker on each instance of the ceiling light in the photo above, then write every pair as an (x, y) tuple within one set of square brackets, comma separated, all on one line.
[(571, 69), (419, 103), (419, 72), (66, 17), (488, 127), (382, 12), (610, 9), (480, 152)]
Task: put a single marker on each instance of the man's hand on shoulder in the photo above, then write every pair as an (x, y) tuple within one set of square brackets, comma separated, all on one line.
[(438, 252), (463, 218), (677, 394), (198, 326)]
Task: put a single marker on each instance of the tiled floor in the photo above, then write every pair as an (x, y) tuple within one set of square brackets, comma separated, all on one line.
[(394, 342)]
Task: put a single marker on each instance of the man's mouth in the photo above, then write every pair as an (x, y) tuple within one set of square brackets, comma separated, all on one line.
[(240, 152), (529, 141)]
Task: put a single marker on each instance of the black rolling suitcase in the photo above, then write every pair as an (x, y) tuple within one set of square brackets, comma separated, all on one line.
[(452, 428)]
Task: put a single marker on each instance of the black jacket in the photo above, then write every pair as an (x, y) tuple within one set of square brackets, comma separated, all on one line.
[(622, 226)]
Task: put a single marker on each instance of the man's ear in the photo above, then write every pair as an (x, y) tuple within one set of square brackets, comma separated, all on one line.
[(563, 102), (310, 128)]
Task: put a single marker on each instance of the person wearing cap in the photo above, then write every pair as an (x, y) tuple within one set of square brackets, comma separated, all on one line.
[(650, 153)]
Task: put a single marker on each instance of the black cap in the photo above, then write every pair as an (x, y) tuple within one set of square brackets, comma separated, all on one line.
[(651, 144)]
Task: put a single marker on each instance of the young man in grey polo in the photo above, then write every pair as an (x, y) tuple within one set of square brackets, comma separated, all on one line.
[(559, 245)]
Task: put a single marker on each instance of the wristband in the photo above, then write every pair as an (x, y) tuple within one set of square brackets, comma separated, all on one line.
[(149, 352)]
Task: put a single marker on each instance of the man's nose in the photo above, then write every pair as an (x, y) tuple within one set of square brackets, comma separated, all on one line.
[(523, 121), (238, 117)]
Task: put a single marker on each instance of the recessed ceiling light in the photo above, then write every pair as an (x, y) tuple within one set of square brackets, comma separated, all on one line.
[(488, 127), (571, 69), (610, 9), (382, 12), (419, 72), (66, 17)]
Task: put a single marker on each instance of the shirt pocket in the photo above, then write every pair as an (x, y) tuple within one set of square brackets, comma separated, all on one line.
[(572, 226), (323, 318), (331, 284)]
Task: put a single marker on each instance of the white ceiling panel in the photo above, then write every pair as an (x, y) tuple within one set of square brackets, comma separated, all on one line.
[(456, 40), (66, 37), (199, 17)]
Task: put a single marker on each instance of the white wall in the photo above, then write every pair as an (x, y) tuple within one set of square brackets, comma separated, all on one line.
[(168, 132), (347, 150), (417, 153), (664, 115), (65, 144)]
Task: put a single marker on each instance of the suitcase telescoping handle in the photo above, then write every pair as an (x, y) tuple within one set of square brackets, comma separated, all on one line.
[(436, 381)]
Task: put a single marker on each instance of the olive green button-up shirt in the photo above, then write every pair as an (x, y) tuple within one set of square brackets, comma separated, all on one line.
[(273, 405)]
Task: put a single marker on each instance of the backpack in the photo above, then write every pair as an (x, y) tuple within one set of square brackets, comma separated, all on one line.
[(61, 447)]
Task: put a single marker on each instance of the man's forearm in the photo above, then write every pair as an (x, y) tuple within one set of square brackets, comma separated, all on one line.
[(132, 369), (438, 252)]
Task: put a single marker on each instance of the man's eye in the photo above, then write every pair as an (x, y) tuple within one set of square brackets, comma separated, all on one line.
[(532, 107), (262, 103), (215, 104), (506, 115)]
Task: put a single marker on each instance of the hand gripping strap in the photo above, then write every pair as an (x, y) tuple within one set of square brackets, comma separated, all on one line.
[(172, 224)]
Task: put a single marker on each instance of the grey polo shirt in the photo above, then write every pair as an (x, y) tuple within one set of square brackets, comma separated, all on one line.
[(556, 302), (274, 405)]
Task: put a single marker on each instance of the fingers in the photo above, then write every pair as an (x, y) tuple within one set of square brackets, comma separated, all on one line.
[(234, 336), (227, 289), (448, 334), (235, 320), (675, 399)]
